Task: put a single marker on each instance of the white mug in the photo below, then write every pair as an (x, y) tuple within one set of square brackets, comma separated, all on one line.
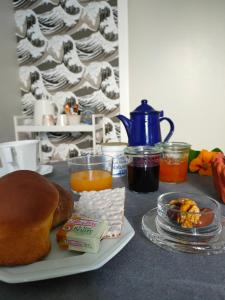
[(43, 108), (48, 120), (19, 155), (74, 119), (62, 120)]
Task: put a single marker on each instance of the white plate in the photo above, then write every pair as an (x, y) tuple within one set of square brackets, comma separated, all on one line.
[(42, 169), (62, 262)]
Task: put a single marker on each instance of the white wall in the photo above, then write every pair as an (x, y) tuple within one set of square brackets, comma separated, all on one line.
[(9, 86), (177, 61)]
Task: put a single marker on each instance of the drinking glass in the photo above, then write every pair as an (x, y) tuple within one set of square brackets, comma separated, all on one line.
[(90, 173)]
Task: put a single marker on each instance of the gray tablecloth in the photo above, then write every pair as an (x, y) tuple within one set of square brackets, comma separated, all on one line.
[(141, 270)]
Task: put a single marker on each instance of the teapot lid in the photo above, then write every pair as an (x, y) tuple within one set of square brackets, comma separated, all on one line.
[(144, 108)]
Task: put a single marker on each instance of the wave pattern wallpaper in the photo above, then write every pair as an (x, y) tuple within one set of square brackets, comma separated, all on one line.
[(68, 53)]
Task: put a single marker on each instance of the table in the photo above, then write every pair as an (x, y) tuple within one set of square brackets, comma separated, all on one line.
[(141, 270)]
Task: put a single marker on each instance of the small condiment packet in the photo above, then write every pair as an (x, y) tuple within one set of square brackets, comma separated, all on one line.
[(82, 234), (104, 205)]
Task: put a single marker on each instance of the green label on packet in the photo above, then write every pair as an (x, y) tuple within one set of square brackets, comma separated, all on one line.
[(84, 234), (82, 230)]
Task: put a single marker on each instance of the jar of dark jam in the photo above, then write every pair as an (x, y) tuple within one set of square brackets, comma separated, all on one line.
[(143, 168)]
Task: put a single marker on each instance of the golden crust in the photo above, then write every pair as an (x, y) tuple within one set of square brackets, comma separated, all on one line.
[(65, 207), (27, 204), (25, 246)]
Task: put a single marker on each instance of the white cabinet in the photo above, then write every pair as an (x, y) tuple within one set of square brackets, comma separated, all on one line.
[(24, 124)]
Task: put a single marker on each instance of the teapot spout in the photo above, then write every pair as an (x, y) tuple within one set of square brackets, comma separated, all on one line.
[(126, 122)]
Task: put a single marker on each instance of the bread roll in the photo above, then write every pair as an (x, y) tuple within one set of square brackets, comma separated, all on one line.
[(65, 206), (27, 204)]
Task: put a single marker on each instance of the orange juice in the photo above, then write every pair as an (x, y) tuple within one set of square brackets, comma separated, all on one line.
[(90, 180), (171, 171)]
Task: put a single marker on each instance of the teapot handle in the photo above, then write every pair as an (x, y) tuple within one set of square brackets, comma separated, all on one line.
[(171, 128)]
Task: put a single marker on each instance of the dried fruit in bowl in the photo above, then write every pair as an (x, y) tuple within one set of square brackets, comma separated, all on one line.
[(188, 213)]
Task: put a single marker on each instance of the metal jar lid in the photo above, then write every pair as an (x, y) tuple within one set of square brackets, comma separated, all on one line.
[(174, 146), (143, 150)]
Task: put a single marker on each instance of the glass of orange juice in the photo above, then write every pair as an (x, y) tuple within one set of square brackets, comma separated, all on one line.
[(174, 162), (90, 173)]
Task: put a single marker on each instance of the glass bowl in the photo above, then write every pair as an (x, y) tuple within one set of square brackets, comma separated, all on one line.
[(188, 215), (186, 228)]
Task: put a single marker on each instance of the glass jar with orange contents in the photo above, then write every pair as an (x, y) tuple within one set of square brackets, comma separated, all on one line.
[(90, 173), (174, 162)]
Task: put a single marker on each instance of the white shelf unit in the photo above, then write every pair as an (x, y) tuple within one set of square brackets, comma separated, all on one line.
[(24, 124)]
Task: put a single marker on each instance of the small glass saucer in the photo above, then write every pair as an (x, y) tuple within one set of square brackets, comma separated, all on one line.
[(162, 238)]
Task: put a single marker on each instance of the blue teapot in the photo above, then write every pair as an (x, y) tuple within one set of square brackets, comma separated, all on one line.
[(143, 127)]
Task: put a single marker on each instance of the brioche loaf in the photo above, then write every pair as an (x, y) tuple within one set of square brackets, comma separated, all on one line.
[(65, 206), (27, 204)]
